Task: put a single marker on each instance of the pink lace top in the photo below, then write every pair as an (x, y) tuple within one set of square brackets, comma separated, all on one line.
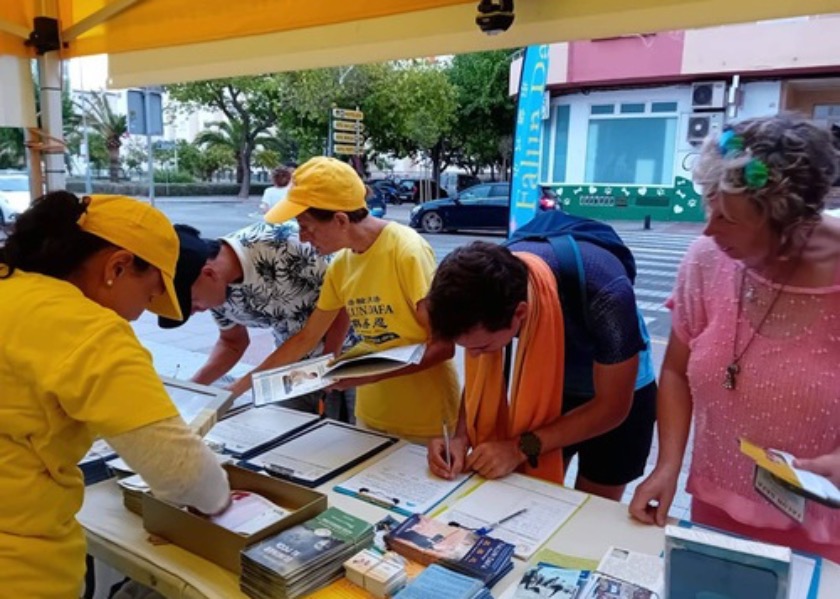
[(788, 387)]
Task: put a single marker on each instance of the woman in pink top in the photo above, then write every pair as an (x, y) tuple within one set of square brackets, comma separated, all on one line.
[(755, 346)]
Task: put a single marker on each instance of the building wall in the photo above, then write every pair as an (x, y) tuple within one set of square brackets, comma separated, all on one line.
[(673, 195)]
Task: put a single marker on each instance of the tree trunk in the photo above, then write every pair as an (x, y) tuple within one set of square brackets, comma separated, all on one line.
[(243, 174), (114, 163), (435, 154)]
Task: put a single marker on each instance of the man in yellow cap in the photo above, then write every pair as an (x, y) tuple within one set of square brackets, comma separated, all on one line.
[(72, 274), (380, 273)]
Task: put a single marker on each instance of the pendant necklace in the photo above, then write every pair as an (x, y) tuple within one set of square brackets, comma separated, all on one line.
[(734, 368), (730, 376)]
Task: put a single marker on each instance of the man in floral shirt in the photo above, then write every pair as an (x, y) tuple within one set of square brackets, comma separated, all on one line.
[(261, 276)]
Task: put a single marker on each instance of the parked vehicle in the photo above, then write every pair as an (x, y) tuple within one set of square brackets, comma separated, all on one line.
[(454, 183), (481, 207), (416, 190), (14, 196)]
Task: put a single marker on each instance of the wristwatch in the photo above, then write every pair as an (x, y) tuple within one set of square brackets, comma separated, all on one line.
[(531, 446)]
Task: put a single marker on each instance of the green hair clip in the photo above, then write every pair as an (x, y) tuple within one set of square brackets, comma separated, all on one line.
[(731, 145)]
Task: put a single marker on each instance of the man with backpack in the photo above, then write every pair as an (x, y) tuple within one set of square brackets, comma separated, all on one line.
[(556, 361)]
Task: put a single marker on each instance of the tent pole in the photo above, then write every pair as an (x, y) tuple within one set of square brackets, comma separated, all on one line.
[(49, 75)]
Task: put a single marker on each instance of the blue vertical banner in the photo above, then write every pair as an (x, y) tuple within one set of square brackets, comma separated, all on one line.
[(524, 187)]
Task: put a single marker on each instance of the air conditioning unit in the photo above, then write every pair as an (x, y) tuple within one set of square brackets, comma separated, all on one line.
[(708, 95), (702, 124)]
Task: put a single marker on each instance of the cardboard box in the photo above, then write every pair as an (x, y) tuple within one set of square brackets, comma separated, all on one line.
[(220, 545)]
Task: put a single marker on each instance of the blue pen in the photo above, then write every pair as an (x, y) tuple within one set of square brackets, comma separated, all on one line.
[(490, 527)]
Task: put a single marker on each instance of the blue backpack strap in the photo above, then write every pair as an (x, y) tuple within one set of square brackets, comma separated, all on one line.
[(567, 251)]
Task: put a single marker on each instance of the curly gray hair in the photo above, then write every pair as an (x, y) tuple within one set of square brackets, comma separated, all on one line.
[(802, 164)]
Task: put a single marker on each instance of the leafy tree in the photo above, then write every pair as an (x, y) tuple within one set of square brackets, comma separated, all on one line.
[(12, 151), (111, 126), (251, 106), (412, 111), (481, 133)]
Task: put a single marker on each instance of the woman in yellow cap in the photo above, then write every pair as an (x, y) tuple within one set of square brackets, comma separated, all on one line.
[(72, 274)]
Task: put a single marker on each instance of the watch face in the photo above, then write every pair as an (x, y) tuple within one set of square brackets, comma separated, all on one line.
[(530, 444)]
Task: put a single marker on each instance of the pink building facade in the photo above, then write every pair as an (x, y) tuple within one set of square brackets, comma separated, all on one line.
[(627, 114)]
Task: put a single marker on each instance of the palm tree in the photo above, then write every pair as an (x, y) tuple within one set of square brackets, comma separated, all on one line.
[(233, 137), (110, 125)]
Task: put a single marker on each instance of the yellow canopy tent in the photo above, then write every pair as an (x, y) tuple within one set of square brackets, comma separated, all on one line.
[(163, 41)]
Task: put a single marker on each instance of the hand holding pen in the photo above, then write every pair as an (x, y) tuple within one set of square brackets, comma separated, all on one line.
[(446, 455)]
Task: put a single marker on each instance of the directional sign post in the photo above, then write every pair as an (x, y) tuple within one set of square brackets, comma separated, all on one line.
[(346, 131)]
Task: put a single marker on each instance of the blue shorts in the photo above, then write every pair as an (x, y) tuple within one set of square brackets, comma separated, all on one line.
[(619, 456)]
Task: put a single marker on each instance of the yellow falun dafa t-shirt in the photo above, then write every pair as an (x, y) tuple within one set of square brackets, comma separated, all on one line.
[(70, 370), (380, 289)]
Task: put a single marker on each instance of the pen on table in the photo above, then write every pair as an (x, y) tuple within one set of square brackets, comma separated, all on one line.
[(486, 529), (447, 446)]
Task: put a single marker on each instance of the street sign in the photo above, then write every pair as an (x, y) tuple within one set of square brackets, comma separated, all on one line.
[(137, 116), (348, 138), (347, 149), (348, 114), (348, 126)]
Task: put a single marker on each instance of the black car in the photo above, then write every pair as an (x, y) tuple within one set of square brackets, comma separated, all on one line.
[(419, 190), (484, 206)]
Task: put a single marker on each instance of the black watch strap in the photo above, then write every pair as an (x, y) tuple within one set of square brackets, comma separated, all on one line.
[(531, 446)]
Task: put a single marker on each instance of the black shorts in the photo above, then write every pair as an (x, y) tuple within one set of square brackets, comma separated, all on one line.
[(618, 456)]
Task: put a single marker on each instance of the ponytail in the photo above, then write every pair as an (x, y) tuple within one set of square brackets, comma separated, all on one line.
[(48, 239)]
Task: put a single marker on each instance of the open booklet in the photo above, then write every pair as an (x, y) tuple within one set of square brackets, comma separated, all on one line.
[(804, 483), (278, 384)]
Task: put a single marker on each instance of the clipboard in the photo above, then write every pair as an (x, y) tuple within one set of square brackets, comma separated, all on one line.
[(319, 453), (254, 430), (401, 482)]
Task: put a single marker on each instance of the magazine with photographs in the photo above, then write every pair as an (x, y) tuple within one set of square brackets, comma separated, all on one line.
[(548, 580), (308, 376)]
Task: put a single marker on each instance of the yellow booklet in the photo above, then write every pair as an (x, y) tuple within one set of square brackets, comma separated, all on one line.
[(802, 482)]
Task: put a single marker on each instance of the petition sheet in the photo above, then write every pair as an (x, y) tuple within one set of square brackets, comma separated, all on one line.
[(319, 451), (257, 426), (546, 507), (402, 480)]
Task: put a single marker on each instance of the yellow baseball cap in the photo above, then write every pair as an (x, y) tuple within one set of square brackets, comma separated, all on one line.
[(320, 182), (144, 231)]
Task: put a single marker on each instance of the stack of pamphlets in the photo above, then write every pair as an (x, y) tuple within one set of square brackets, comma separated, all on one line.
[(379, 574), (436, 581), (303, 558), (427, 541)]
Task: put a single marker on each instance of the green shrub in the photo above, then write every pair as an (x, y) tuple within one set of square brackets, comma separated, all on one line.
[(168, 176), (141, 188)]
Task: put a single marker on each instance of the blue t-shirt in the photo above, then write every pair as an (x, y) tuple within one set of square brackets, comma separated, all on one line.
[(618, 329)]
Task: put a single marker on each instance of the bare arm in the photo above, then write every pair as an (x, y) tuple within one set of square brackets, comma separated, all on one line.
[(614, 386), (293, 349), (229, 349), (674, 406), (437, 351), (337, 333)]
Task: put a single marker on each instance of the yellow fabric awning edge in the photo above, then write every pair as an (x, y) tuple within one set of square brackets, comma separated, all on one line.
[(448, 30)]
